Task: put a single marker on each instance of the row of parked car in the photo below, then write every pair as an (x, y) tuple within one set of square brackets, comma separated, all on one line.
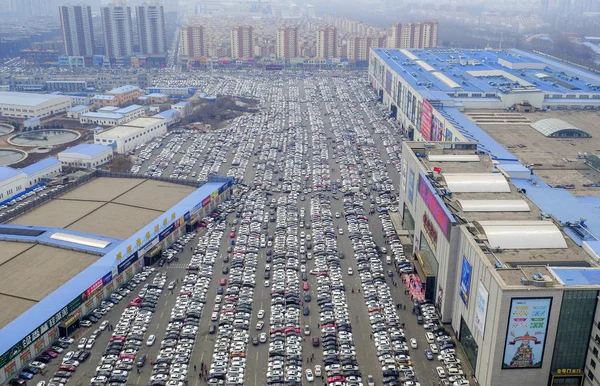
[(234, 300), (128, 335)]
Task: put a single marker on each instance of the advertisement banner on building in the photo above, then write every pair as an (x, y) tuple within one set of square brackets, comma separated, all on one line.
[(128, 262), (107, 278), (481, 308), (411, 185), (119, 279), (437, 129), (165, 232), (206, 201), (526, 333), (94, 287), (430, 232), (146, 248), (39, 346), (388, 82), (448, 137), (436, 206), (25, 356), (465, 281), (52, 334), (426, 120), (10, 369)]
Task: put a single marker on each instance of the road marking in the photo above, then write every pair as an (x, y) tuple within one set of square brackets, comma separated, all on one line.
[(256, 377), (202, 356), (162, 313), (158, 325), (138, 380)]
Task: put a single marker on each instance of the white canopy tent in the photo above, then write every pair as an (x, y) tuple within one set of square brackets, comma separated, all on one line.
[(476, 182), (494, 205), (533, 234)]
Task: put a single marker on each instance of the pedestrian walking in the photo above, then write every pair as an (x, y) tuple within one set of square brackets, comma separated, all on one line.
[(138, 370), (194, 368)]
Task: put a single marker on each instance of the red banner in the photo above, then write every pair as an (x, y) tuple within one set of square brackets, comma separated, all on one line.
[(426, 120), (94, 287), (39, 346), (25, 356), (52, 334), (10, 369), (206, 201)]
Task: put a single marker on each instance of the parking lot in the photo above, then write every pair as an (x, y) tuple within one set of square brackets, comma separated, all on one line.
[(294, 281)]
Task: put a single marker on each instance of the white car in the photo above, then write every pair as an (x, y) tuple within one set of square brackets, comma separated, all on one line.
[(85, 323), (37, 364), (90, 344), (150, 340), (413, 343), (441, 372), (214, 317), (337, 214), (309, 375), (263, 337), (318, 370), (82, 343), (261, 314), (434, 348), (103, 325), (260, 325), (350, 271), (267, 283)]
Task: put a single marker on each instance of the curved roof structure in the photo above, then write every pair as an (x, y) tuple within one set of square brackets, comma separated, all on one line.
[(476, 182), (556, 128), (533, 234), (494, 205)]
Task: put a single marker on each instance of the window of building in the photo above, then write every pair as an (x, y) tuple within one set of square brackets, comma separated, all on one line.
[(590, 375), (595, 351), (593, 363)]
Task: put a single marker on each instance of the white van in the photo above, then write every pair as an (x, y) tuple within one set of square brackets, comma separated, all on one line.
[(388, 260), (430, 338), (453, 371)]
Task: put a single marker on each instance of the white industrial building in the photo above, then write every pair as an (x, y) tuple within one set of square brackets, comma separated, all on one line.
[(77, 111), (14, 182), (111, 116), (125, 138), (26, 105), (86, 156)]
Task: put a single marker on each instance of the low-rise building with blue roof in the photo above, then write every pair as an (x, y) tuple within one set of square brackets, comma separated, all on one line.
[(112, 115), (16, 182), (76, 111), (86, 155), (171, 116)]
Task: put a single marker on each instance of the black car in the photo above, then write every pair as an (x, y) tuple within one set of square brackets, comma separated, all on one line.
[(225, 270), (306, 311), (141, 361), (212, 329)]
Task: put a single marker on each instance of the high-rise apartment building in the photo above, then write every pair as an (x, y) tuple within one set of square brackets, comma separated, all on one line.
[(118, 30), (288, 45), (326, 42), (358, 47), (193, 41), (151, 29), (77, 30), (414, 35), (242, 42)]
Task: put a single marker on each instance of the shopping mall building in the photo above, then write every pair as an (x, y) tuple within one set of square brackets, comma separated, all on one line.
[(517, 284)]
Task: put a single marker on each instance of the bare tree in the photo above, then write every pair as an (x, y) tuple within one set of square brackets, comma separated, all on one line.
[(121, 163)]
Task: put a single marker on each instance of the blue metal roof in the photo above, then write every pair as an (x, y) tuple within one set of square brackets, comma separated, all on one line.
[(129, 109), (87, 149), (102, 115), (167, 113), (40, 165), (78, 108), (123, 89), (7, 172), (32, 119), (57, 300), (578, 276)]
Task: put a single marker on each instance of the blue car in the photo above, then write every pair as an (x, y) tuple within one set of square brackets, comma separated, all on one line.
[(429, 354), (220, 290), (25, 375)]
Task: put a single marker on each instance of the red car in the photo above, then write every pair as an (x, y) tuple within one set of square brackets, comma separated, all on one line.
[(315, 341), (337, 378), (137, 300), (133, 304), (120, 338), (67, 368), (223, 281), (305, 286), (127, 356), (232, 235), (51, 353)]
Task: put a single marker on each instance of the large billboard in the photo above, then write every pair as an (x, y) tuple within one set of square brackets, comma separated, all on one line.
[(426, 120), (481, 308), (437, 129), (434, 203), (526, 333), (465, 280), (411, 185)]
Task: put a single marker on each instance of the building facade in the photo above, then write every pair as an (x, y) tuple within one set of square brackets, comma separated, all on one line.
[(193, 41), (326, 43), (118, 31), (151, 29), (28, 105), (242, 42), (288, 43), (77, 30)]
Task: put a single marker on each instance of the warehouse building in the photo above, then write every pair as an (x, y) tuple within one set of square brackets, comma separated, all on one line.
[(127, 137), (66, 256), (112, 116), (16, 182), (87, 156), (76, 111), (26, 105)]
